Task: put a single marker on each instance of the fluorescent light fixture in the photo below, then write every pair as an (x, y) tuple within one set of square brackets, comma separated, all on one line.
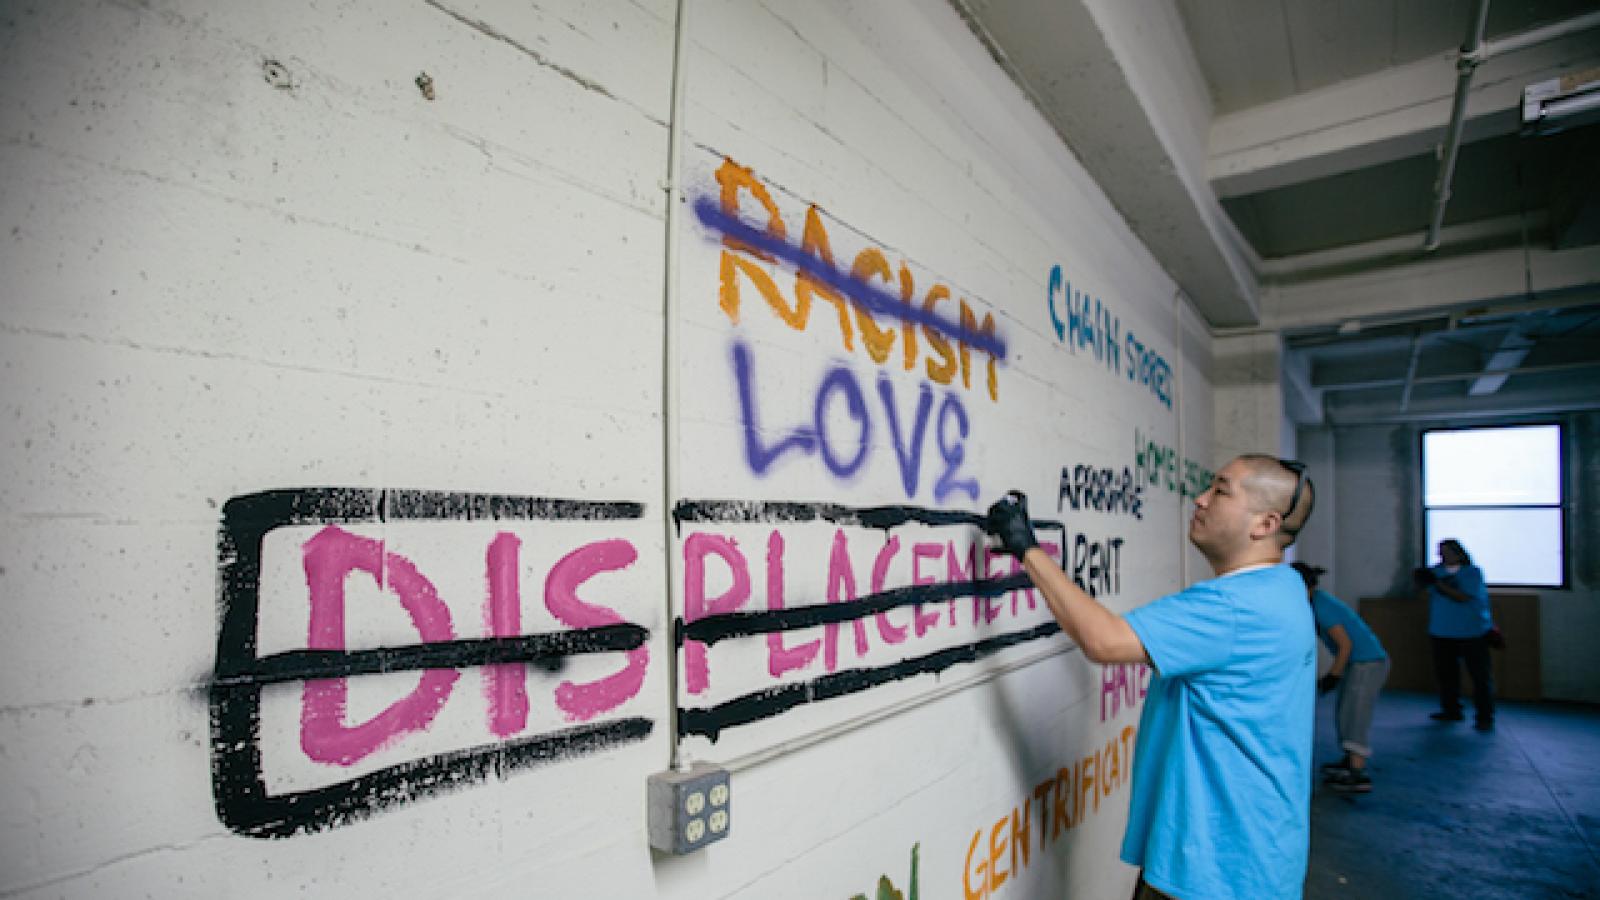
[(1561, 103), (1513, 350)]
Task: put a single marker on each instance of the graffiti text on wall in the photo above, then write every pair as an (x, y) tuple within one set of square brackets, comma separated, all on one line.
[(1157, 465), (871, 292), (1087, 325), (1096, 566), (1100, 489), (844, 455), (886, 888), (1002, 851), (945, 616), (324, 667), (1122, 684)]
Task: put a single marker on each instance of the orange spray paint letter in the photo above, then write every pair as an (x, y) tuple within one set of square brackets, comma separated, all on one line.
[(870, 262), (969, 325), (814, 240), (1021, 832), (945, 371), (732, 177), (982, 872), (910, 333), (997, 849)]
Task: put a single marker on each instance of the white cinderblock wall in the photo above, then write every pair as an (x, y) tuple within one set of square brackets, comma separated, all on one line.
[(317, 382)]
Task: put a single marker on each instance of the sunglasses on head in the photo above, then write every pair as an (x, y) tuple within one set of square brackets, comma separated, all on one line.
[(1299, 470)]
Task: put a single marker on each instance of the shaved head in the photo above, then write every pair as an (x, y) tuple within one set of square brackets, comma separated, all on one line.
[(1271, 486)]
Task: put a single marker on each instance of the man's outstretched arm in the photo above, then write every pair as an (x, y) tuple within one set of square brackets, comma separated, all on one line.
[(1104, 636)]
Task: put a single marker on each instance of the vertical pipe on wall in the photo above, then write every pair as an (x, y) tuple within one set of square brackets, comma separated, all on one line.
[(1177, 404), (669, 359)]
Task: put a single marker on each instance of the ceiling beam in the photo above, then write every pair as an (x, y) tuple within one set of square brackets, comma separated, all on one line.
[(1574, 396), (1374, 119), (1387, 251), (1118, 81), (1444, 285)]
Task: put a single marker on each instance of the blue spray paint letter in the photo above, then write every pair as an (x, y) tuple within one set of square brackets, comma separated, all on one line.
[(908, 453), (953, 455), (1050, 300), (840, 378), (759, 457)]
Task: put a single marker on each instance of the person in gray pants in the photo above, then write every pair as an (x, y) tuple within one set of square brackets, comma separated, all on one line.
[(1360, 667)]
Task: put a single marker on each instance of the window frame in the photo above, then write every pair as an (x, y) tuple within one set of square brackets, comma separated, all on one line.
[(1560, 506)]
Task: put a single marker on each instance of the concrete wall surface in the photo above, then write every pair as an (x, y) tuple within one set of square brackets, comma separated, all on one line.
[(382, 509)]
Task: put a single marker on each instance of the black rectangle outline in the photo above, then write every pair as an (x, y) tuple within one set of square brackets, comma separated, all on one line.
[(710, 722), (239, 788)]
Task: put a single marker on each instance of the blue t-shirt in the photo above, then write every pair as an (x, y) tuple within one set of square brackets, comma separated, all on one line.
[(1221, 803), (1331, 611), (1449, 618)]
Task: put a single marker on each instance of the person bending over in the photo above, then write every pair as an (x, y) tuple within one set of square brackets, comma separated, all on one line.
[(1360, 667), (1220, 805)]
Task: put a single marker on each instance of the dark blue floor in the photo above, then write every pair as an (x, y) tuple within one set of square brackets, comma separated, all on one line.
[(1460, 814)]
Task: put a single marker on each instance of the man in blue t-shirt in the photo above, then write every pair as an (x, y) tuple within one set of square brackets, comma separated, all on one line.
[(1460, 626), (1220, 805)]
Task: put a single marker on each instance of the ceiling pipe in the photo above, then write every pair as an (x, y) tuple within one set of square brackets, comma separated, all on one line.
[(1311, 332), (1540, 414), (1411, 368), (1380, 383), (1541, 35), (1466, 65)]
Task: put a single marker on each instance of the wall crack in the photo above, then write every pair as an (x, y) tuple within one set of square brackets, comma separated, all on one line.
[(488, 30)]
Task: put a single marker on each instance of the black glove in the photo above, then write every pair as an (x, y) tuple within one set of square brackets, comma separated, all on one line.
[(1424, 575), (1008, 521), (1328, 682)]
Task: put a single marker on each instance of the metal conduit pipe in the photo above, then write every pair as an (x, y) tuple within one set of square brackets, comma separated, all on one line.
[(1466, 65), (1541, 35), (672, 186), (1378, 383), (1178, 411), (1411, 370)]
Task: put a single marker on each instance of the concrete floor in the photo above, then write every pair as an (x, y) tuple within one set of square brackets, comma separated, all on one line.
[(1459, 814)]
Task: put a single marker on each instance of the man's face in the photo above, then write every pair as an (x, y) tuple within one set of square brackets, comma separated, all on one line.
[(1225, 513)]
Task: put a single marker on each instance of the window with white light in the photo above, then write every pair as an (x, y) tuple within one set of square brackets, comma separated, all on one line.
[(1498, 492)]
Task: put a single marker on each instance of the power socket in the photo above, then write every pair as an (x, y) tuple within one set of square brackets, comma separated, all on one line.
[(689, 809)]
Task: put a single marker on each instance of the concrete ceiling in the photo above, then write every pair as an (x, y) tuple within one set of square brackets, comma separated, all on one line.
[(1279, 157)]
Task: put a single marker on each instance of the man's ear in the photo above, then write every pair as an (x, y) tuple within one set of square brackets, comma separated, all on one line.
[(1271, 523)]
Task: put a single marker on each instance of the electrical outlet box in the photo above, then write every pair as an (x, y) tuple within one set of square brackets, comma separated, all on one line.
[(689, 809)]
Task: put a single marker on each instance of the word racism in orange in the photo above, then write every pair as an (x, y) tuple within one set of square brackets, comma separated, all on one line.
[(1065, 800), (945, 358)]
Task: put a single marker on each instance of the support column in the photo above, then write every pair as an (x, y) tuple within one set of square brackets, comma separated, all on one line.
[(1247, 396)]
